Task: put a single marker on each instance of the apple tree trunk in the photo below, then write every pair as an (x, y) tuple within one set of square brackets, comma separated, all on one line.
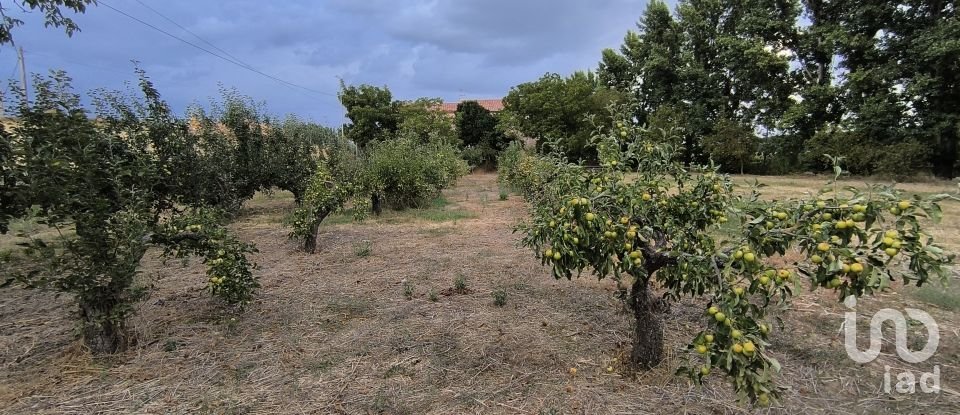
[(310, 244), (648, 327), (103, 330)]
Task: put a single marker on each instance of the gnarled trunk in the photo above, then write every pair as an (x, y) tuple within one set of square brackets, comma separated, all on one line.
[(648, 327), (310, 244), (103, 331), (376, 204)]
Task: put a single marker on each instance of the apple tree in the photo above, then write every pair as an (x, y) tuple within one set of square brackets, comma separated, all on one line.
[(658, 226), (106, 187), (325, 194)]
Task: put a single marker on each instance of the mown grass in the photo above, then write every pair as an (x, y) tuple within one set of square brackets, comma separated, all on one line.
[(22, 229), (438, 210), (947, 298)]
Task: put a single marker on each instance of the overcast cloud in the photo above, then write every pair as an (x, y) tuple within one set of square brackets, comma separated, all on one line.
[(440, 48)]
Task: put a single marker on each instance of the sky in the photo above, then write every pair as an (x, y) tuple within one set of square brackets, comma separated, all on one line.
[(449, 49)]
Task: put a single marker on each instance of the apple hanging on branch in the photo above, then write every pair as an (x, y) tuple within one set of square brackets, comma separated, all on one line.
[(647, 220)]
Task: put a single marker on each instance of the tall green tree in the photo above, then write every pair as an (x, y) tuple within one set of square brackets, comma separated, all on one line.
[(373, 113), (655, 53), (899, 93), (732, 145), (929, 56), (815, 103), (475, 124), (562, 109), (737, 60), (648, 64), (421, 120), (615, 71), (712, 60), (479, 134), (903, 85)]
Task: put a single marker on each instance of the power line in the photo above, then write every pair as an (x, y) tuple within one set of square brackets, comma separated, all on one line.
[(155, 11), (212, 53)]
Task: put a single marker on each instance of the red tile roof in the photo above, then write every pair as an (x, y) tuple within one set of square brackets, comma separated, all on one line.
[(449, 107), (492, 105)]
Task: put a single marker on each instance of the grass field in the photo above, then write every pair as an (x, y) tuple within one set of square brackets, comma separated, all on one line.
[(373, 323)]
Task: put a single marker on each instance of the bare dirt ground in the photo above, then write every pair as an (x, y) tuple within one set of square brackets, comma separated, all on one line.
[(335, 333)]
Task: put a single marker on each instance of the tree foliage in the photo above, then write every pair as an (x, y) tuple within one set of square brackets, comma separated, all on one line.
[(294, 149), (421, 120), (405, 173), (901, 84), (52, 11), (648, 221), (325, 194), (402, 168), (560, 108), (731, 144), (111, 187), (479, 133), (373, 113), (884, 73)]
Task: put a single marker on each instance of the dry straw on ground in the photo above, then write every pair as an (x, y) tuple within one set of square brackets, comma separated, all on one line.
[(334, 333)]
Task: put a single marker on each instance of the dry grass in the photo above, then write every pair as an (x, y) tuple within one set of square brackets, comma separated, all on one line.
[(783, 187), (335, 333)]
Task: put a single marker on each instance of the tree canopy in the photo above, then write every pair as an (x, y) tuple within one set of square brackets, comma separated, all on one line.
[(806, 77), (479, 133), (52, 15), (561, 108), (373, 113)]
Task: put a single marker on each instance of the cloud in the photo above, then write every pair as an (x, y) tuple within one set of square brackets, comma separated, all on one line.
[(447, 49)]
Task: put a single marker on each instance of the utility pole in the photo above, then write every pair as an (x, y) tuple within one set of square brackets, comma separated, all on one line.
[(23, 75)]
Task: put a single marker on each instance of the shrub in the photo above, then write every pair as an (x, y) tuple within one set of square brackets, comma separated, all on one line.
[(732, 145), (500, 297), (479, 155), (903, 160), (523, 171), (460, 283), (833, 140), (363, 248), (898, 160), (404, 173)]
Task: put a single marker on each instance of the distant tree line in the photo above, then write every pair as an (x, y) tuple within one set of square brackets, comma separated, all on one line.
[(375, 116), (771, 86)]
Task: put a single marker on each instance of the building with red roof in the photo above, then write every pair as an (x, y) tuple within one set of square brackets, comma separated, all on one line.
[(492, 105)]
